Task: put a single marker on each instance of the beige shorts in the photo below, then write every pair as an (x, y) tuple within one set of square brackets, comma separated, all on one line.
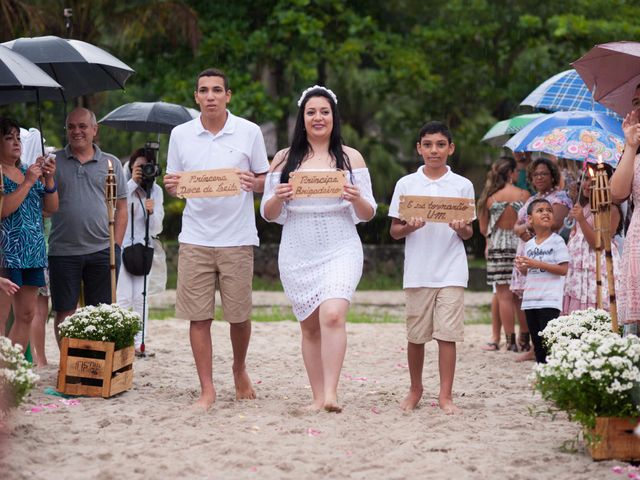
[(435, 313), (199, 268)]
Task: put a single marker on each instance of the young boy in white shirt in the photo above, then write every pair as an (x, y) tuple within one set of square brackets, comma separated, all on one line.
[(545, 263), (435, 267)]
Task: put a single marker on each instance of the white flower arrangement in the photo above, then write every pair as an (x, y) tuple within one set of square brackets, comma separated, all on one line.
[(575, 325), (16, 376), (104, 323), (591, 371)]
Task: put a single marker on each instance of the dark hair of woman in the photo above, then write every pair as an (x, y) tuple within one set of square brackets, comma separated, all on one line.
[(6, 127), (140, 152), (497, 178), (300, 147), (553, 169)]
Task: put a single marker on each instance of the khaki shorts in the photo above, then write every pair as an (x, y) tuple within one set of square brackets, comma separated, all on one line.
[(198, 269), (435, 313)]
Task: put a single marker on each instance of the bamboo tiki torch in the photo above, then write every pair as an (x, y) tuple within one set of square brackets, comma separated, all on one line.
[(595, 205), (110, 196), (602, 186)]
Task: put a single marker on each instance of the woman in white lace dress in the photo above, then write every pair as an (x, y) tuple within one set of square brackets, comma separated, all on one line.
[(320, 257)]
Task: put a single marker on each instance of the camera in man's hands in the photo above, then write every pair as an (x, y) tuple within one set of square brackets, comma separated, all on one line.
[(151, 169)]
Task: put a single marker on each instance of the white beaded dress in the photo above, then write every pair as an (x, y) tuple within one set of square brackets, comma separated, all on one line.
[(320, 254)]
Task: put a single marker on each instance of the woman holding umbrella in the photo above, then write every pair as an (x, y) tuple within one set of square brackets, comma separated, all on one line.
[(27, 193), (544, 176)]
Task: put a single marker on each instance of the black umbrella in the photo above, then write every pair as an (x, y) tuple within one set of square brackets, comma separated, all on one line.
[(22, 81), (80, 67), (156, 117)]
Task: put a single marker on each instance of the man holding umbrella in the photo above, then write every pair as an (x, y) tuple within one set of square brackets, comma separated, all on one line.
[(218, 233), (79, 239)]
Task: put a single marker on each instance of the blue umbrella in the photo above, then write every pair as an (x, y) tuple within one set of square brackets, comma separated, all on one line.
[(565, 91), (574, 135)]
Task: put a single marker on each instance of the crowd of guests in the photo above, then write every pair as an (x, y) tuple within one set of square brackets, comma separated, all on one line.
[(509, 220), (522, 211), (54, 236)]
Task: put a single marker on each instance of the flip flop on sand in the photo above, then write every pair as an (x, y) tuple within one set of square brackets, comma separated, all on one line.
[(490, 347)]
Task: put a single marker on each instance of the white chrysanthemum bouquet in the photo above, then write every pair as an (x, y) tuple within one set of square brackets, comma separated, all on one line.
[(591, 371), (16, 376), (103, 323)]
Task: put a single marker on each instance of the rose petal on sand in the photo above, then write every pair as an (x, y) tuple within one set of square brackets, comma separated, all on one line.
[(258, 382), (348, 453), (617, 469), (360, 379), (312, 432), (434, 404), (402, 365), (70, 402), (42, 407), (253, 469), (375, 410)]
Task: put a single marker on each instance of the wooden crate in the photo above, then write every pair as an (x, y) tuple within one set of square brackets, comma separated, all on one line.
[(615, 440), (95, 369)]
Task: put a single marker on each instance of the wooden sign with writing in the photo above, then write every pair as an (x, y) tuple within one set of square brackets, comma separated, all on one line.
[(222, 182), (436, 209), (317, 184)]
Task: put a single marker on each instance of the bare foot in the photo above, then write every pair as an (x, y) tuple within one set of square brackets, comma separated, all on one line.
[(205, 402), (244, 390), (447, 406), (526, 356), (412, 399), (315, 407)]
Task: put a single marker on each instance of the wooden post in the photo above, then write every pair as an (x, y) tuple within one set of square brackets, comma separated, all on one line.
[(603, 194), (110, 196), (595, 206)]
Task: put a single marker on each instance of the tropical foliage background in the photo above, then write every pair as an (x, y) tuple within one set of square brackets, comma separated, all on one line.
[(393, 64)]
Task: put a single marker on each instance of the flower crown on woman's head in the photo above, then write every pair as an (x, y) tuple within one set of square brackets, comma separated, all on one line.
[(320, 87)]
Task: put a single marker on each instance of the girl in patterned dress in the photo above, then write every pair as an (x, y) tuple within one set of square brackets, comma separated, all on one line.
[(497, 213), (580, 284), (27, 193)]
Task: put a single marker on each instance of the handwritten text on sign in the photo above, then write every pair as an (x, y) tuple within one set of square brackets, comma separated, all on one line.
[(436, 209), (317, 183), (209, 183)]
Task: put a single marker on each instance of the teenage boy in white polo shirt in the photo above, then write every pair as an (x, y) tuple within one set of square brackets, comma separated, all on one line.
[(435, 265), (218, 233)]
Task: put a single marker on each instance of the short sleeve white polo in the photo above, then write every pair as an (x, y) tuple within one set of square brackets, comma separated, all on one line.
[(434, 255), (218, 221)]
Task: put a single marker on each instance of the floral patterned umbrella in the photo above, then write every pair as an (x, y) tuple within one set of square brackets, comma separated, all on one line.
[(577, 135), (580, 143)]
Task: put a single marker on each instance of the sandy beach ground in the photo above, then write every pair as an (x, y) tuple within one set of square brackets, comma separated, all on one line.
[(151, 433)]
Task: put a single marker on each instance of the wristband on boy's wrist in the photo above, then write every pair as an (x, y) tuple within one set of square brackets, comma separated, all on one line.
[(53, 189)]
